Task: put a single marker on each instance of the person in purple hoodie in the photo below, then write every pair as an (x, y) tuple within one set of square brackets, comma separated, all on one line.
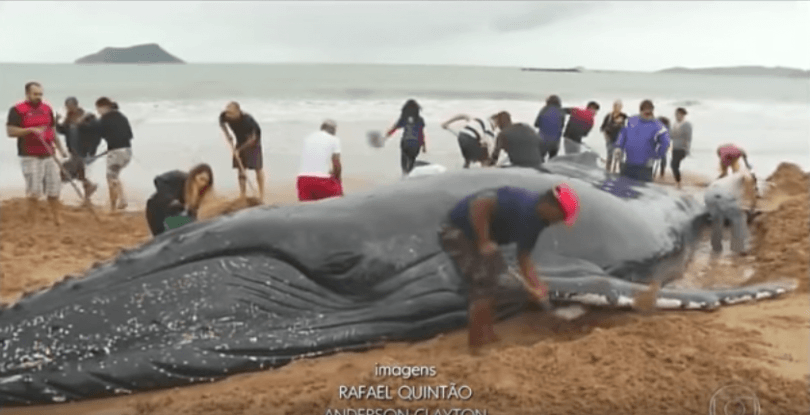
[(549, 123), (643, 141)]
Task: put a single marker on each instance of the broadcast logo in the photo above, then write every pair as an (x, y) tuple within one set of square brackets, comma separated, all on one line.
[(734, 400)]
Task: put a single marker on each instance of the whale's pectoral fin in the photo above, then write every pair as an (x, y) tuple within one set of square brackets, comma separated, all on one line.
[(579, 281)]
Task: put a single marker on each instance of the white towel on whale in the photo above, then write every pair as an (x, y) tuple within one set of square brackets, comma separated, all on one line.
[(427, 170)]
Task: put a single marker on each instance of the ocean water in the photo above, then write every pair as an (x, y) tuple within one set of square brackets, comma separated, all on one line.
[(174, 110)]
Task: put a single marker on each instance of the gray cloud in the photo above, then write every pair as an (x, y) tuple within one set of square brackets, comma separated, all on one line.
[(542, 13), (516, 33)]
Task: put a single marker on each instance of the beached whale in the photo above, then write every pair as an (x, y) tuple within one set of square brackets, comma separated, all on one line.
[(260, 287)]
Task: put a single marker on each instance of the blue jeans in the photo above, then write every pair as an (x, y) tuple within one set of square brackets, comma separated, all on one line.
[(637, 172)]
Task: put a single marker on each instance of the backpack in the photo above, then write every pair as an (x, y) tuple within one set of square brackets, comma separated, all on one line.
[(411, 130)]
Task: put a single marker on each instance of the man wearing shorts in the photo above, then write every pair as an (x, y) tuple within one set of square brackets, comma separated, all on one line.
[(248, 144), (114, 128), (319, 176), (32, 123), (730, 155), (479, 223)]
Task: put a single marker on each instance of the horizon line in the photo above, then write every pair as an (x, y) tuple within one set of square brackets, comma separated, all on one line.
[(579, 67)]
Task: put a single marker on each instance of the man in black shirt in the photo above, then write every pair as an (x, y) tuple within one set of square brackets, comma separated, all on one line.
[(522, 143), (248, 144)]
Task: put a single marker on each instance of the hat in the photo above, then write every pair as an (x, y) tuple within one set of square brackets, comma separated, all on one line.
[(569, 202)]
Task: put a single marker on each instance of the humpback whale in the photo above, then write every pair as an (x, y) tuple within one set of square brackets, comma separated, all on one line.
[(260, 287)]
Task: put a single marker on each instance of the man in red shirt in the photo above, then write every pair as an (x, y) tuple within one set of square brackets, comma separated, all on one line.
[(579, 125), (32, 123)]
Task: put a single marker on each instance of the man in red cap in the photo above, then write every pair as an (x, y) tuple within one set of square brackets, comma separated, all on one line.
[(480, 222)]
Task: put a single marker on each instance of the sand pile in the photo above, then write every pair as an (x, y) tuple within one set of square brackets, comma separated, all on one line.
[(782, 235), (790, 180)]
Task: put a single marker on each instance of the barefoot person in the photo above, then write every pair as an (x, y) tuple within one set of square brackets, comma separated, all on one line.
[(320, 172), (248, 144), (82, 142), (32, 123), (479, 223), (114, 128), (413, 135), (477, 139), (725, 199), (730, 156), (681, 134)]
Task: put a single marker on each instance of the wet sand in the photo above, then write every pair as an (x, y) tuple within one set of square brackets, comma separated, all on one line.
[(605, 362)]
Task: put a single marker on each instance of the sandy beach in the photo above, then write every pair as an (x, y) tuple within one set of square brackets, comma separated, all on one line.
[(605, 362)]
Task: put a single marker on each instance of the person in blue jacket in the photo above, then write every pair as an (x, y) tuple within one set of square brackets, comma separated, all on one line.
[(549, 124), (643, 141)]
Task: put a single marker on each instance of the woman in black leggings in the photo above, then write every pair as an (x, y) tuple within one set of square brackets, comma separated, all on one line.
[(413, 135), (681, 135), (663, 165)]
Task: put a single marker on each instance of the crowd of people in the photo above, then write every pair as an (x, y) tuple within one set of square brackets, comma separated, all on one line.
[(471, 231)]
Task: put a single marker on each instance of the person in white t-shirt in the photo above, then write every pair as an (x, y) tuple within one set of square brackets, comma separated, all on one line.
[(319, 175), (725, 198)]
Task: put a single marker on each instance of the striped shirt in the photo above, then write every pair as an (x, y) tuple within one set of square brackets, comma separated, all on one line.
[(481, 130)]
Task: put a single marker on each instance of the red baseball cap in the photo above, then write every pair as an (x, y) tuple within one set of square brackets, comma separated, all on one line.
[(569, 202)]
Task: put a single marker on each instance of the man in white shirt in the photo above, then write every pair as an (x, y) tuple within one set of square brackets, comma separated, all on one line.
[(725, 198), (319, 175)]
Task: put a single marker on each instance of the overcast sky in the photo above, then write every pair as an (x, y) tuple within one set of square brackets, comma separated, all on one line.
[(629, 35)]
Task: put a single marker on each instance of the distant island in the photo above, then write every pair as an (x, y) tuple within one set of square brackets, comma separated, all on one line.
[(576, 70), (148, 53), (743, 71)]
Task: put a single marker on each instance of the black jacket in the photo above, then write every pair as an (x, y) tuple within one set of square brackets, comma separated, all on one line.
[(169, 200), (85, 142)]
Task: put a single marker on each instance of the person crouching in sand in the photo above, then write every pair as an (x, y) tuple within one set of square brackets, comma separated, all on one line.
[(200, 202), (198, 189), (725, 200), (474, 228), (203, 203)]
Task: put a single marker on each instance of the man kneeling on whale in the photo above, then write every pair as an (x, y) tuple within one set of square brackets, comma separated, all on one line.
[(479, 223)]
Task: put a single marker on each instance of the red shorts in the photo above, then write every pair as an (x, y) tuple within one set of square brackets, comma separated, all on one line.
[(317, 188)]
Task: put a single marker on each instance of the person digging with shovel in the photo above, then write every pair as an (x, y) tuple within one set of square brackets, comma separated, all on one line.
[(474, 228), (81, 141)]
